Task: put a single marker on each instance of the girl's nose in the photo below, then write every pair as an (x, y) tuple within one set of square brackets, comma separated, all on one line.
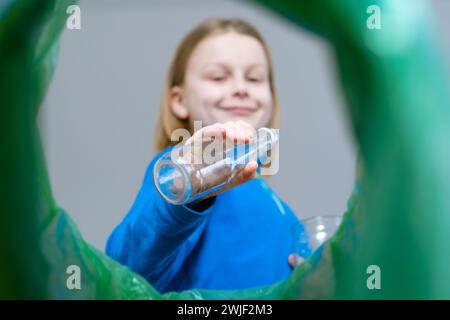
[(240, 88)]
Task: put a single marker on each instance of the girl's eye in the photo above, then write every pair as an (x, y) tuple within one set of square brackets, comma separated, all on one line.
[(217, 78), (255, 79)]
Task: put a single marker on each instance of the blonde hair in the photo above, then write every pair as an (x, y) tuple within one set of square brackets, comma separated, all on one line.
[(167, 121)]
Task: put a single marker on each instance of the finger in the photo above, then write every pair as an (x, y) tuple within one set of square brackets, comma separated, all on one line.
[(245, 174), (248, 128), (215, 130), (250, 170), (232, 133), (241, 131), (294, 260), (237, 132)]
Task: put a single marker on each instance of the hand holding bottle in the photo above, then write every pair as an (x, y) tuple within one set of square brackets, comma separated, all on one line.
[(215, 159)]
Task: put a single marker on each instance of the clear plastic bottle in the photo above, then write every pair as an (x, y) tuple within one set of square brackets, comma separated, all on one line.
[(181, 180)]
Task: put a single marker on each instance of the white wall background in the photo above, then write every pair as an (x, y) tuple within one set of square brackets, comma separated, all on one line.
[(100, 113)]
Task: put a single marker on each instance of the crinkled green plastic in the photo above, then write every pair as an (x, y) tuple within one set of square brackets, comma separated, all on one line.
[(397, 92)]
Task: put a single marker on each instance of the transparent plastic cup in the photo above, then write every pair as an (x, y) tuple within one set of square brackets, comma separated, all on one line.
[(320, 228), (181, 176)]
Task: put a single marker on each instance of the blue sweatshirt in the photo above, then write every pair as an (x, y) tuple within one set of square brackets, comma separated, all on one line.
[(238, 239)]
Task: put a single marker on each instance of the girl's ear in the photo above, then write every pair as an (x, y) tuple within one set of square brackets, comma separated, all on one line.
[(176, 103)]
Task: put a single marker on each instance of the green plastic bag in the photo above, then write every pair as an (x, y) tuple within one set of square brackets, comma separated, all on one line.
[(398, 102)]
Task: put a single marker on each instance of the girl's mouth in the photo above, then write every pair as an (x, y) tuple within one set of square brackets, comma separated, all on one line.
[(239, 110)]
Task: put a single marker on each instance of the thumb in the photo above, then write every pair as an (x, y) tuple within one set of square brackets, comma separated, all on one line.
[(294, 260)]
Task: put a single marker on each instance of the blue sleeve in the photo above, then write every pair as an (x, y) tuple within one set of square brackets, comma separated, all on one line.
[(155, 237)]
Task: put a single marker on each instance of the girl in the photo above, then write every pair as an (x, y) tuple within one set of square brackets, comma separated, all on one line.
[(241, 236)]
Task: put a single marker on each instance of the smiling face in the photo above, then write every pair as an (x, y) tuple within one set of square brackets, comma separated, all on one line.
[(227, 79)]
